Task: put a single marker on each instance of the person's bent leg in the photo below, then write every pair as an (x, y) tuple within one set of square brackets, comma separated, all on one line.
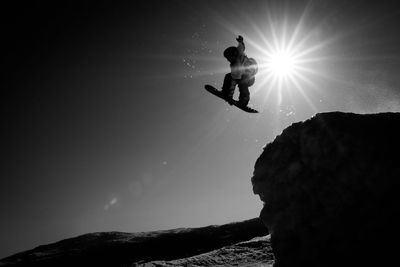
[(244, 96), (228, 88)]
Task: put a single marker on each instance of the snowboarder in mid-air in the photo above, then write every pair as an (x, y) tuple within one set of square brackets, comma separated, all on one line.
[(243, 70)]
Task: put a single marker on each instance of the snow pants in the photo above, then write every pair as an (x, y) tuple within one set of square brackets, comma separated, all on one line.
[(228, 88)]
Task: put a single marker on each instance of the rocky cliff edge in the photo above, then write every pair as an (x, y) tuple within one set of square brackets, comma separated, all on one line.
[(331, 190)]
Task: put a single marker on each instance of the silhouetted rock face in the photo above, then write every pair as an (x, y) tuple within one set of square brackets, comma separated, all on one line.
[(331, 190)]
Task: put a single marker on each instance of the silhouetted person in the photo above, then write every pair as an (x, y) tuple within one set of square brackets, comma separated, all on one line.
[(243, 70)]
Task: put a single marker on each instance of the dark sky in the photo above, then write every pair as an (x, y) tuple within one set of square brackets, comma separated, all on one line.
[(105, 124)]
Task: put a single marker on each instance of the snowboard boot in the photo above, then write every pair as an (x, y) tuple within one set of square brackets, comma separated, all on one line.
[(242, 103), (228, 97)]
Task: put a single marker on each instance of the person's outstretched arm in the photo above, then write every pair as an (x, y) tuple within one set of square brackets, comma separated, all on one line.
[(240, 46)]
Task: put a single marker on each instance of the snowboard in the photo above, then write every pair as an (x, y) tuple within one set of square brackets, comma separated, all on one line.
[(218, 93)]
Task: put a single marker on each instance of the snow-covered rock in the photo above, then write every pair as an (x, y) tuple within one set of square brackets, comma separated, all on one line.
[(211, 245)]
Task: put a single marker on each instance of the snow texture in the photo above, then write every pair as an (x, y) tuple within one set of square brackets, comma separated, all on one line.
[(211, 245)]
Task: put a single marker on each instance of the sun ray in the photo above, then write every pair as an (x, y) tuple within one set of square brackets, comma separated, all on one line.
[(305, 96), (305, 79), (298, 26), (288, 62), (312, 60), (290, 55), (307, 70), (256, 45), (265, 40), (270, 88), (284, 31), (272, 28), (263, 82), (260, 34)]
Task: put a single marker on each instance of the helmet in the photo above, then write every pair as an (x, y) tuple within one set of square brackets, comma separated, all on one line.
[(231, 53)]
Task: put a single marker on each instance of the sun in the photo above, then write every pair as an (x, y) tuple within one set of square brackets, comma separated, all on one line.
[(281, 63), (290, 60), (285, 66), (294, 57)]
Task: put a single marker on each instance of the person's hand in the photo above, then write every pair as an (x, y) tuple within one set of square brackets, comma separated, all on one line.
[(239, 39)]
